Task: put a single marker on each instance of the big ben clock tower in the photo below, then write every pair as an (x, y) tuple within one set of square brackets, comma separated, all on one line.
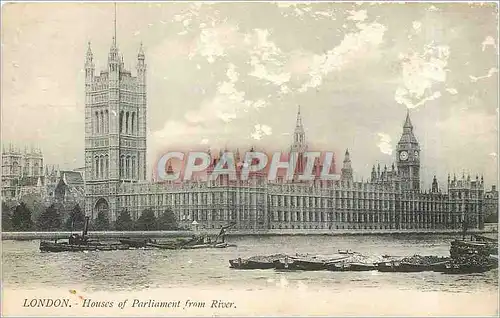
[(408, 158)]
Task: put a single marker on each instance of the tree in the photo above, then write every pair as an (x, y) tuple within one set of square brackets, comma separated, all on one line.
[(167, 221), (124, 221), (6, 217), (34, 203), (101, 223), (49, 220), (21, 218), (147, 221), (76, 219)]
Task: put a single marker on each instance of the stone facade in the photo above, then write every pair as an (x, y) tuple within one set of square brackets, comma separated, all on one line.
[(115, 173), (21, 170)]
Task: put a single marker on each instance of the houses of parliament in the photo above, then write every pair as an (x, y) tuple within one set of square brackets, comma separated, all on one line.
[(115, 176)]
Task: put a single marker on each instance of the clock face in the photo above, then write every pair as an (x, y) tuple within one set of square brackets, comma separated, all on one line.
[(403, 155), (416, 154)]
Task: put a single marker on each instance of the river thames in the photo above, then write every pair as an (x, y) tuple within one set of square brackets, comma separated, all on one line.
[(132, 272)]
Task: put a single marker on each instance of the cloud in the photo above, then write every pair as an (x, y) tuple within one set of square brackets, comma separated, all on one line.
[(213, 42), (266, 58), (385, 144), (354, 46), (417, 26), (401, 98), (491, 72), (489, 41), (452, 91), (419, 73), (225, 104), (261, 131), (357, 15)]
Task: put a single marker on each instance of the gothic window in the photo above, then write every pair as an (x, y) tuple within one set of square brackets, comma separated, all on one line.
[(107, 166), (133, 128), (121, 122), (133, 168), (106, 121), (126, 122), (137, 124), (27, 169), (97, 167), (101, 127), (122, 165), (101, 165), (96, 122), (127, 167)]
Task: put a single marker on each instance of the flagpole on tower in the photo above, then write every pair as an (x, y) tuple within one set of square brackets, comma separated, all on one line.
[(114, 37)]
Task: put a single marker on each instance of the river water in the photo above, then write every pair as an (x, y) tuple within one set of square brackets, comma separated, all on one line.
[(25, 268)]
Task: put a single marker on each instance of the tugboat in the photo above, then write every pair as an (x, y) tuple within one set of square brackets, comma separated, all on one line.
[(79, 243)]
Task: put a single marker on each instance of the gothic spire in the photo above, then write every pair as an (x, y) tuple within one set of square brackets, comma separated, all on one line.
[(113, 52), (114, 28), (408, 120), (140, 56), (299, 118), (347, 157), (408, 137), (89, 53)]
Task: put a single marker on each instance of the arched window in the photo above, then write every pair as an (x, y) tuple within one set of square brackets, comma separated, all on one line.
[(122, 167), (106, 121), (107, 166), (137, 124), (101, 164), (127, 123), (127, 167), (133, 128), (133, 168), (102, 122), (96, 130), (96, 167), (121, 122)]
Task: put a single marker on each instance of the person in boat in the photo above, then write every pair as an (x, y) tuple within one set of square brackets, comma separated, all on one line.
[(222, 234)]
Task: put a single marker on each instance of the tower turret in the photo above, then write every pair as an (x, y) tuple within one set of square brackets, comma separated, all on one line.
[(299, 136), (408, 160), (89, 66), (346, 172), (374, 174), (435, 187)]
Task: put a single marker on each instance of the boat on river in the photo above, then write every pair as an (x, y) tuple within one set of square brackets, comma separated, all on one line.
[(80, 243), (256, 262), (471, 264), (54, 247), (413, 264), (307, 262), (135, 243), (350, 267), (195, 242)]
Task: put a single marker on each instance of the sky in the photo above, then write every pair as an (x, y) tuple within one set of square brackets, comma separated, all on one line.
[(233, 74)]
